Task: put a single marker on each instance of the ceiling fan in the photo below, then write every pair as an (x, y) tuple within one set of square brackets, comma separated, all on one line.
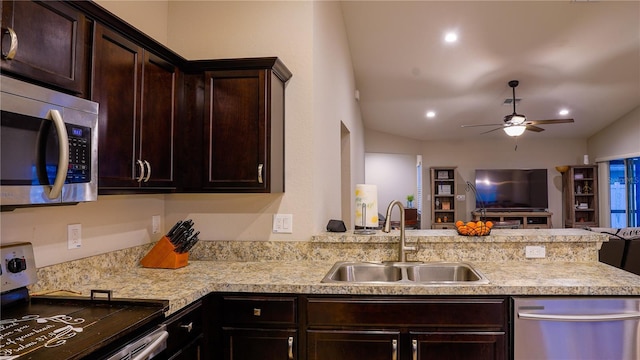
[(515, 124)]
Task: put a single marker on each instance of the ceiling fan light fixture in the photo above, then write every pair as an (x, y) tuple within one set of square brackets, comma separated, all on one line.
[(515, 130), (517, 119)]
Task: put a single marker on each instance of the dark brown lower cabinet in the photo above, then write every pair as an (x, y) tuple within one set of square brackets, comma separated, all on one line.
[(251, 344), (406, 328), (458, 345), (251, 326), (185, 334), (353, 344), (330, 327), (386, 345)]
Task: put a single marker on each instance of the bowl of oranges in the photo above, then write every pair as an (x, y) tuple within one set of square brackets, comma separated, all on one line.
[(474, 228)]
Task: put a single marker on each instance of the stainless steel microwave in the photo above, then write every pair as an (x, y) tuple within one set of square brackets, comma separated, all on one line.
[(48, 144)]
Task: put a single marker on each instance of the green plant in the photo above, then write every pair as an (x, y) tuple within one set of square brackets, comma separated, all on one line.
[(410, 197)]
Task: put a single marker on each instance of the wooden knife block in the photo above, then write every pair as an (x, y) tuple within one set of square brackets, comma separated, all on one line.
[(163, 256)]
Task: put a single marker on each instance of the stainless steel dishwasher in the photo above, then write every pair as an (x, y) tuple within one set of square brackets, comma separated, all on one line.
[(580, 328)]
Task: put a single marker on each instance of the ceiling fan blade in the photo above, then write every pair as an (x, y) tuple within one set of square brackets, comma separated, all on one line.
[(486, 132), (549, 121), (534, 128), (465, 126)]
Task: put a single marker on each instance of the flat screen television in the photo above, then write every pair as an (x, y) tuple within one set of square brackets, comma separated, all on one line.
[(512, 189)]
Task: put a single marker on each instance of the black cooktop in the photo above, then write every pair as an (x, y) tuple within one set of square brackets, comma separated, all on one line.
[(73, 328)]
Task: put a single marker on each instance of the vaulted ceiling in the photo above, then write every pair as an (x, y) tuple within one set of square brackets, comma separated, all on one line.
[(583, 56)]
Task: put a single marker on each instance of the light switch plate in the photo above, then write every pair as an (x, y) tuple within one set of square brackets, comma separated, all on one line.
[(283, 223), (74, 236), (155, 224)]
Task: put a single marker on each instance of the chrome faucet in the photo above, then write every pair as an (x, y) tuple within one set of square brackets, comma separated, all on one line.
[(402, 248)]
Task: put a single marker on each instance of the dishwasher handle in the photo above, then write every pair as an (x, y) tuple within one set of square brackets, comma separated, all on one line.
[(593, 318)]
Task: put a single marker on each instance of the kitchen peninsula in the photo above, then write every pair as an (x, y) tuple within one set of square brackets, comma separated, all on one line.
[(281, 283), (570, 267)]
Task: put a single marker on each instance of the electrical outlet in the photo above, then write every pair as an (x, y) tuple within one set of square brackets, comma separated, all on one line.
[(535, 252), (155, 224), (282, 223), (74, 236)]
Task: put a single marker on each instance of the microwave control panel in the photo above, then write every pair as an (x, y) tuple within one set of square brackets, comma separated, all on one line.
[(79, 154)]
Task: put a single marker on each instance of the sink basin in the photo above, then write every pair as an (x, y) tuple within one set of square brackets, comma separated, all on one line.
[(366, 272), (419, 273), (456, 272)]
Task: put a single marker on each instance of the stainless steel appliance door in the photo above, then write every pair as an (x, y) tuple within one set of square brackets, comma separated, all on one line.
[(144, 348), (577, 328), (49, 146)]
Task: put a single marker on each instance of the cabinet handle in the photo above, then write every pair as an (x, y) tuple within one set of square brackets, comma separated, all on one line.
[(394, 349), (13, 47), (414, 349), (187, 327), (146, 178), (260, 166), (290, 353), (141, 165)]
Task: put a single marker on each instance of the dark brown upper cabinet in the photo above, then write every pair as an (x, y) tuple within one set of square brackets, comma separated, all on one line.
[(136, 91), (46, 42), (242, 123)]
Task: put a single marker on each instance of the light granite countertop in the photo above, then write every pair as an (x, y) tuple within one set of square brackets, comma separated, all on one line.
[(185, 285), (570, 267)]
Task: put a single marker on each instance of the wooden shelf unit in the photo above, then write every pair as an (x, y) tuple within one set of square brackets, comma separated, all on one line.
[(443, 196), (580, 206), (528, 219)]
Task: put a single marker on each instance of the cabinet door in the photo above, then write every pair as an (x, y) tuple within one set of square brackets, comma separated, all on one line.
[(185, 334), (264, 344), (52, 43), (353, 345), (155, 142), (136, 91), (116, 87), (458, 345), (235, 126)]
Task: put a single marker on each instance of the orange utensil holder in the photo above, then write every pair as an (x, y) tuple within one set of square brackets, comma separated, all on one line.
[(164, 256)]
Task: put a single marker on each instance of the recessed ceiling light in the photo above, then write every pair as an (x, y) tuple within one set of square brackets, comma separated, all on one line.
[(451, 37), (563, 112), (431, 114)]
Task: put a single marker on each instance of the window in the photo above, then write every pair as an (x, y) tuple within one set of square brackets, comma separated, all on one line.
[(624, 192)]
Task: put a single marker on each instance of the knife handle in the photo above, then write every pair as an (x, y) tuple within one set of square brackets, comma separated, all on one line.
[(174, 228)]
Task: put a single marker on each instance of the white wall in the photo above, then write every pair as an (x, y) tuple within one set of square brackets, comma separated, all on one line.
[(394, 175), (334, 106), (151, 17), (496, 153), (111, 223), (618, 140)]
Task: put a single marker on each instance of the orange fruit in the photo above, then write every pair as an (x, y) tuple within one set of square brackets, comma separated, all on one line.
[(489, 224), (479, 224), (471, 225), (463, 229), (459, 223)]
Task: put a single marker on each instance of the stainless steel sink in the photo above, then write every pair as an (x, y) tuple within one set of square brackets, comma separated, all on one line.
[(419, 273), (365, 272)]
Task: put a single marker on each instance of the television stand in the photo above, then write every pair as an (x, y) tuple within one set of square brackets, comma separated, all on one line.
[(528, 219)]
